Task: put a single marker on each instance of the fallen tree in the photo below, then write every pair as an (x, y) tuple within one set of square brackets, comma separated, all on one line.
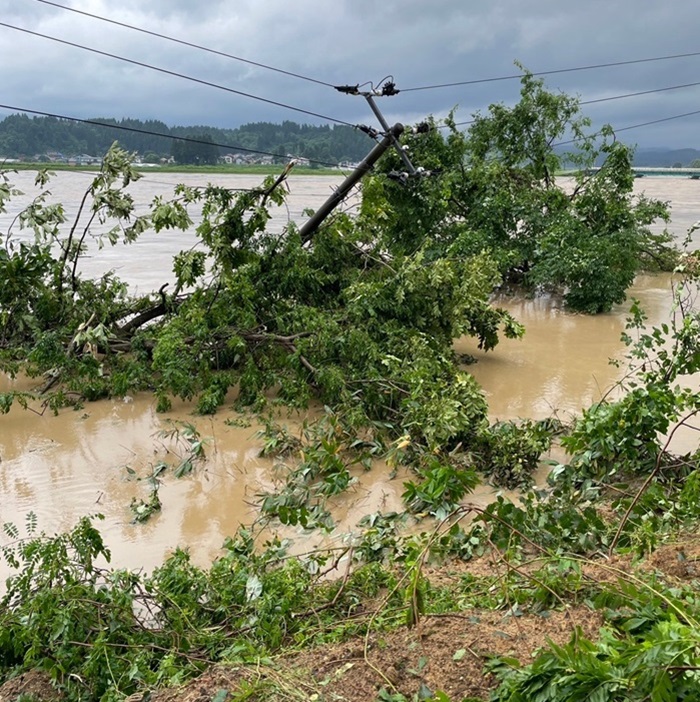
[(361, 314)]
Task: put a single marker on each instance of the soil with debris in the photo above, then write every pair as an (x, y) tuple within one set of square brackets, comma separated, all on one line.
[(30, 686), (446, 652)]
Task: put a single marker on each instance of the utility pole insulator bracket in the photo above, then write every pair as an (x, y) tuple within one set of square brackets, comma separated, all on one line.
[(348, 89)]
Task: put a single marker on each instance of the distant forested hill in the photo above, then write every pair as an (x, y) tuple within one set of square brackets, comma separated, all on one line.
[(26, 137)]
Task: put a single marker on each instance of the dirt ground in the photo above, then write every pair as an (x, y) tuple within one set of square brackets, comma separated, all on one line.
[(33, 685), (444, 652)]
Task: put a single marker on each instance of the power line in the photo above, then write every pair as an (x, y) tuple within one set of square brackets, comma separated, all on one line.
[(177, 75), (641, 92), (190, 140), (637, 126), (187, 43), (658, 121), (552, 72), (331, 85), (616, 97)]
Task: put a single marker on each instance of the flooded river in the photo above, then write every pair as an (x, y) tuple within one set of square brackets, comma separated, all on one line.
[(91, 460)]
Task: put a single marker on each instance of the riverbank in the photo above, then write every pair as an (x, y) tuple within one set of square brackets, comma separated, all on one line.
[(438, 618), (223, 169)]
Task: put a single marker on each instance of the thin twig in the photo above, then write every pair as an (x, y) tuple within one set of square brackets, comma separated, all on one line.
[(344, 582), (648, 481)]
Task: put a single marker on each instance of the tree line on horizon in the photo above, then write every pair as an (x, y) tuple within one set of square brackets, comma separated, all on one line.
[(31, 138)]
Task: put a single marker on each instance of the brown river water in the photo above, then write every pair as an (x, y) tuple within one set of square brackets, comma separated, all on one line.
[(88, 461)]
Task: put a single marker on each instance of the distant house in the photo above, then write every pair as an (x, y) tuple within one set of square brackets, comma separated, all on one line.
[(234, 158), (87, 160), (247, 159)]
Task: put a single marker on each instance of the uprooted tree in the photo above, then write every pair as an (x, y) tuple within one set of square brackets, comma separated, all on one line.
[(362, 316)]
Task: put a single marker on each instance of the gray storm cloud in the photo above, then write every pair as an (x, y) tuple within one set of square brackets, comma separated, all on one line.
[(418, 43)]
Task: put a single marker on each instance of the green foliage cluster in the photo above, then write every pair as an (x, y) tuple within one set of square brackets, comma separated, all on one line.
[(103, 633), (622, 436), (362, 315), (650, 650), (343, 321), (511, 451), (324, 453), (497, 192)]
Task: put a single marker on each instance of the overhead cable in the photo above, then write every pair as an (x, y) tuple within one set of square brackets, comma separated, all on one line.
[(612, 97), (190, 140), (637, 126), (177, 75), (515, 76), (658, 121), (641, 92), (616, 130), (186, 43)]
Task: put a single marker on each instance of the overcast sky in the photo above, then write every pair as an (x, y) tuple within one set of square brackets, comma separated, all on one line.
[(419, 42)]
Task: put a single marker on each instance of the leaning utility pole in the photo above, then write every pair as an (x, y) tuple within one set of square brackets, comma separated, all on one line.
[(391, 138)]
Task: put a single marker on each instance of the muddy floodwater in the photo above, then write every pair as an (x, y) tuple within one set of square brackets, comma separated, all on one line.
[(97, 459)]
